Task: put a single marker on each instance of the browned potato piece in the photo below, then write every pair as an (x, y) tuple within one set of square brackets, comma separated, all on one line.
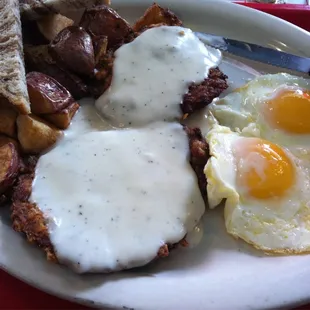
[(103, 76), (5, 140), (7, 122), (9, 164), (62, 119), (46, 94), (73, 48), (36, 135), (37, 58), (156, 15), (100, 48), (104, 21), (22, 189), (52, 24)]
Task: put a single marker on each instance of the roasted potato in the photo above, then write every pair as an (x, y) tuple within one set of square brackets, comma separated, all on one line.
[(156, 15), (104, 21), (52, 24), (36, 135), (73, 48), (46, 94), (62, 119), (100, 48), (22, 189), (5, 140), (103, 76), (9, 165), (37, 58), (7, 122)]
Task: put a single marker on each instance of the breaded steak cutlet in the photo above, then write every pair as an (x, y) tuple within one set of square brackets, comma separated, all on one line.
[(28, 218), (198, 96), (202, 94)]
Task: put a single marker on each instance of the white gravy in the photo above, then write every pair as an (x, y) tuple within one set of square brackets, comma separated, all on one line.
[(113, 198), (152, 74)]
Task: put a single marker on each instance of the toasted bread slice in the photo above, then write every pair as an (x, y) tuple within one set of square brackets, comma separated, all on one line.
[(33, 9), (13, 88)]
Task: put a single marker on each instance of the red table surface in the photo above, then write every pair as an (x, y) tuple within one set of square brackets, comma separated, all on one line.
[(15, 294)]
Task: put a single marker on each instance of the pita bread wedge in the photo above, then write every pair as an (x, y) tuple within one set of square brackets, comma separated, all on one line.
[(13, 88)]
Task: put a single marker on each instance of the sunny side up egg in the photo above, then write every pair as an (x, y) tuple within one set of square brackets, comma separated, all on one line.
[(275, 107), (266, 190)]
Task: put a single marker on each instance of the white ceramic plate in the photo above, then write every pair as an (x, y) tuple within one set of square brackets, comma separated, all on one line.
[(220, 273)]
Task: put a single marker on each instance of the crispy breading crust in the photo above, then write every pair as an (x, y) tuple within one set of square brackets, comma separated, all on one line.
[(200, 95), (28, 218), (156, 15), (199, 150)]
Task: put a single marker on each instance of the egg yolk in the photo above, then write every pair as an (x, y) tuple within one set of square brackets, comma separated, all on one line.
[(289, 110), (263, 169)]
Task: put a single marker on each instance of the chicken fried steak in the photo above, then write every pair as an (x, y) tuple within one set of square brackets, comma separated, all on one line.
[(154, 74), (28, 216)]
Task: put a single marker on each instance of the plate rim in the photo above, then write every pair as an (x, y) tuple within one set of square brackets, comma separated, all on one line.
[(216, 5)]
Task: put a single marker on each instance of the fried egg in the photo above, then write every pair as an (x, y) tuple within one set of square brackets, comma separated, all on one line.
[(265, 188), (275, 107)]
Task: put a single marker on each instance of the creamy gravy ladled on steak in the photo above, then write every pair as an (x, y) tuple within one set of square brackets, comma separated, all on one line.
[(152, 74), (115, 197)]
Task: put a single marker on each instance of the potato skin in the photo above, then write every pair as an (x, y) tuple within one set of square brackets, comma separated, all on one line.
[(46, 94), (9, 166), (38, 58), (104, 21), (5, 140), (73, 48), (23, 188), (36, 135)]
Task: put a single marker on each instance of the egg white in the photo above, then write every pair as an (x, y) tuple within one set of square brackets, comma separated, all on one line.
[(241, 111), (279, 225)]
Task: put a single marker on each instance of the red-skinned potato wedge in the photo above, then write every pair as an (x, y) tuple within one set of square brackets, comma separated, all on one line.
[(36, 135), (156, 15), (7, 122), (9, 165), (62, 119), (46, 94), (22, 189), (5, 140), (104, 21), (37, 58), (73, 48), (52, 24)]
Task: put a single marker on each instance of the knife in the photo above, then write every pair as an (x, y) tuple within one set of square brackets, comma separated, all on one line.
[(257, 53)]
